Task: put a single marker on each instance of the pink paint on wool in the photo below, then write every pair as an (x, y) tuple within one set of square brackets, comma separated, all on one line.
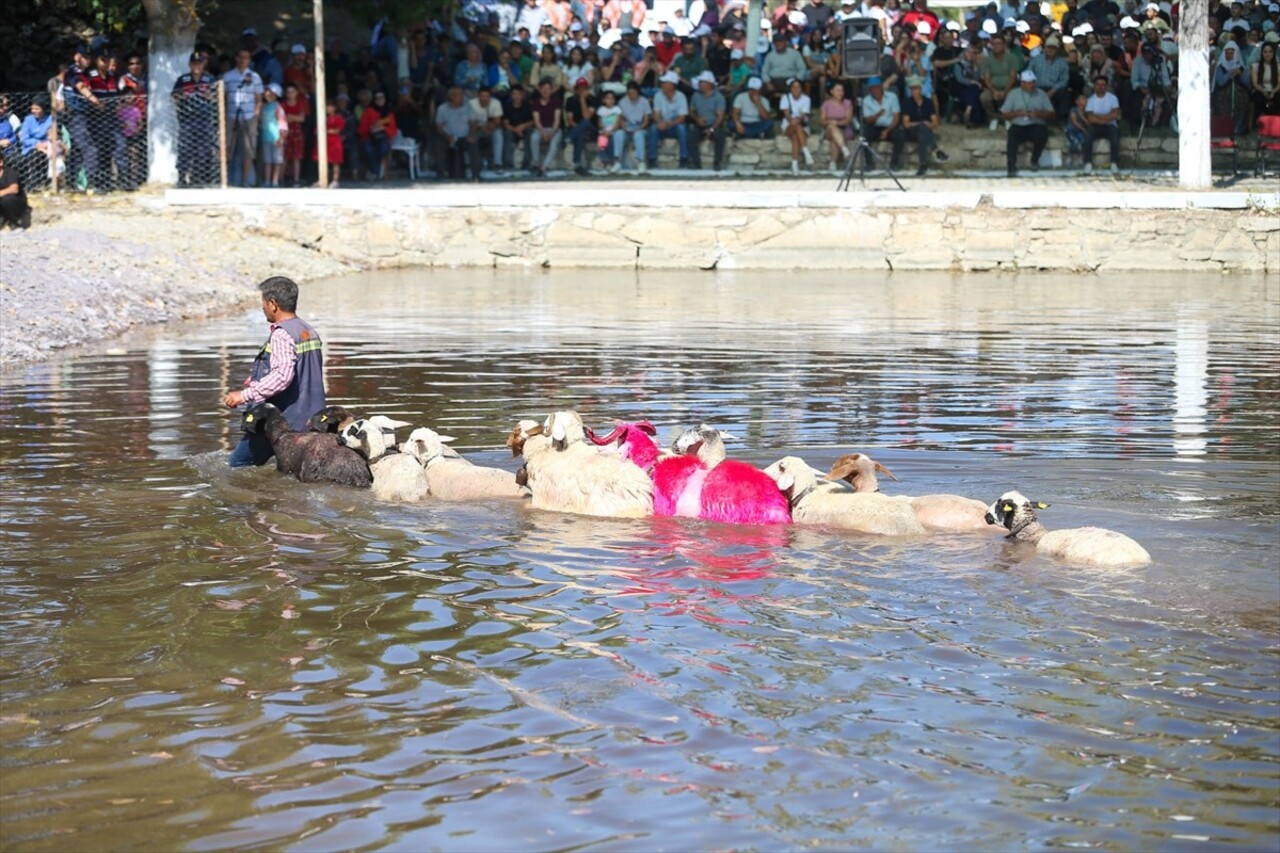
[(677, 486), (742, 494)]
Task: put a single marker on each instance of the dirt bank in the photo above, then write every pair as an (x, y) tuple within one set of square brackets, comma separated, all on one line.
[(90, 269)]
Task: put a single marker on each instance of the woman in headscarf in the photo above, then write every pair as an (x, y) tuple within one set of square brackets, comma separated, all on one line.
[(1231, 87)]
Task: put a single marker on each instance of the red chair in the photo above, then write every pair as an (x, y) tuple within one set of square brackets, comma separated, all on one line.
[(1268, 140), (1222, 137)]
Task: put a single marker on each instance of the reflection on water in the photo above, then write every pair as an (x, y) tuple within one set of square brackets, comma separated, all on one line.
[(196, 658)]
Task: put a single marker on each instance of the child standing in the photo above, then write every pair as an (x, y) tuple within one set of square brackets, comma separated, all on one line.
[(608, 116), (272, 128), (334, 127), (296, 109), (1077, 128)]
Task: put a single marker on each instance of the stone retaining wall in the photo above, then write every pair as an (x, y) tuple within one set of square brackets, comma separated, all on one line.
[(1011, 231)]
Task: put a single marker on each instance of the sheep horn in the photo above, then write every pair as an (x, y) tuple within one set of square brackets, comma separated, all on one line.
[(608, 439)]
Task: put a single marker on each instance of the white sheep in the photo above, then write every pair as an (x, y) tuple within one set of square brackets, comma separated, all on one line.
[(566, 473), (452, 478), (1081, 546), (935, 512), (396, 476), (834, 504)]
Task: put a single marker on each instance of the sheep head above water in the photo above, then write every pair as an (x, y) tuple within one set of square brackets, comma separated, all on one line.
[(330, 419), (426, 445), (373, 437), (1017, 514), (1082, 546), (794, 476), (859, 471), (521, 433), (703, 441), (565, 428)]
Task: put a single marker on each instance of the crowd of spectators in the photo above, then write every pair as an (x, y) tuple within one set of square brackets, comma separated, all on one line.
[(525, 85)]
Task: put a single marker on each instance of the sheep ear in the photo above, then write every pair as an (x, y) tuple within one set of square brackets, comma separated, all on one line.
[(843, 467), (445, 438), (786, 481), (728, 436), (886, 472)]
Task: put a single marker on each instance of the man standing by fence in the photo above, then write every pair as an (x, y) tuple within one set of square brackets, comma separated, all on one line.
[(79, 99), (193, 99), (244, 103)]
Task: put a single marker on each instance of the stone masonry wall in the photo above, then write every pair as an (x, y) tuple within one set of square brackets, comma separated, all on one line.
[(979, 237)]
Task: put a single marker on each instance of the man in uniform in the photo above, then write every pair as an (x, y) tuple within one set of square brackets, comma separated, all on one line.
[(288, 371), (193, 96), (80, 99)]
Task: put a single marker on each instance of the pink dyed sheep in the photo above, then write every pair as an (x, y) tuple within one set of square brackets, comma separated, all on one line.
[(733, 491), (677, 480), (699, 482)]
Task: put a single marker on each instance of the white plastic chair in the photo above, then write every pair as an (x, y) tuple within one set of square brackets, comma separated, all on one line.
[(407, 146)]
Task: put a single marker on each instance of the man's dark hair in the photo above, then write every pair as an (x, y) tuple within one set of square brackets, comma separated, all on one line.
[(282, 291)]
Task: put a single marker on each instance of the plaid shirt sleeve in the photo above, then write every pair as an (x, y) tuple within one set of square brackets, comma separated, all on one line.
[(284, 358)]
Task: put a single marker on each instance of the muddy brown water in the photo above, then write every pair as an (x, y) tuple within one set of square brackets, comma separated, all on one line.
[(197, 659)]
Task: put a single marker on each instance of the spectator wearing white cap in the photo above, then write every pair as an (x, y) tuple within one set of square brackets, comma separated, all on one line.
[(739, 70), (300, 72), (751, 112), (1027, 110), (708, 117), (670, 119)]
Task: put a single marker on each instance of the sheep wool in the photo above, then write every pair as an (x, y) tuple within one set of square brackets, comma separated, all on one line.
[(1081, 546), (835, 505)]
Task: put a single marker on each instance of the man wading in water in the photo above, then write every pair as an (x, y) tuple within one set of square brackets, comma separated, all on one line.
[(288, 371)]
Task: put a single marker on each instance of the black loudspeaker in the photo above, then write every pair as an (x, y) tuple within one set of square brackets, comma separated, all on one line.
[(861, 47)]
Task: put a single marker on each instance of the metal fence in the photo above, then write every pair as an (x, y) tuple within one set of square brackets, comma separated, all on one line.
[(77, 145), (72, 144)]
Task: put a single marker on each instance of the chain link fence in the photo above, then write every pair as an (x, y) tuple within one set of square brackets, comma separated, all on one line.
[(64, 142), (199, 135)]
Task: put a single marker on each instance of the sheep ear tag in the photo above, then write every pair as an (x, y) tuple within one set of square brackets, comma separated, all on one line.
[(1007, 508), (1041, 505), (248, 419)]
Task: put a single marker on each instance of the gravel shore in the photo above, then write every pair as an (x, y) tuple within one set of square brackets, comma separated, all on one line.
[(90, 269)]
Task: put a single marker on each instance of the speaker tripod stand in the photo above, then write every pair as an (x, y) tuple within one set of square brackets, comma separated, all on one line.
[(868, 155), (863, 148)]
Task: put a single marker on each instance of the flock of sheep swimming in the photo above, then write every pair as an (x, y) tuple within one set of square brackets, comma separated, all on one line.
[(568, 468)]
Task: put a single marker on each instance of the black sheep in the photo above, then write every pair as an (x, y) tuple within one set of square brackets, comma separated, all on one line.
[(330, 419), (312, 457)]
